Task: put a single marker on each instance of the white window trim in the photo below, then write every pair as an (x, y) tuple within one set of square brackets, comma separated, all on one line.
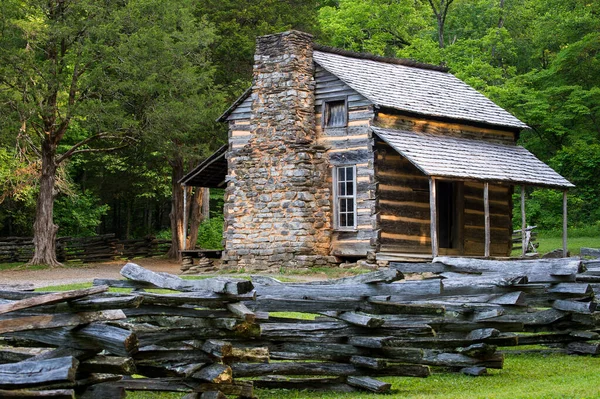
[(336, 222)]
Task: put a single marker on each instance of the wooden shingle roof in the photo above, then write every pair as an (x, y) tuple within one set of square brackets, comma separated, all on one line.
[(460, 158), (415, 89), (210, 173)]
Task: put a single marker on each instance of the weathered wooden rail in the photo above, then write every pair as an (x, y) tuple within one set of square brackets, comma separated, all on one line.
[(207, 336)]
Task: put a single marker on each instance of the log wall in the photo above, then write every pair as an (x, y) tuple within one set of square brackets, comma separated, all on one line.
[(350, 145), (415, 124)]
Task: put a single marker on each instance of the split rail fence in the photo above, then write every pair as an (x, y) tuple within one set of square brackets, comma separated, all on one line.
[(208, 337), (85, 249)]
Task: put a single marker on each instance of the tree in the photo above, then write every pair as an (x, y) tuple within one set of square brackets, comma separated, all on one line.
[(440, 12), (174, 99), (376, 26), (96, 63), (45, 54)]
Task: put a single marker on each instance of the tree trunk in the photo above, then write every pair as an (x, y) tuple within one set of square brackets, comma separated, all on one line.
[(44, 229), (196, 217), (440, 23), (177, 211)]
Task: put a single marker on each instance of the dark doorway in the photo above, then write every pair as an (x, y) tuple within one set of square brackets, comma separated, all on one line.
[(449, 211)]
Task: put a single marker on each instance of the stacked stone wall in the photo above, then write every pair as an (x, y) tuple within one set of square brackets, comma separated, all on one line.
[(278, 205)]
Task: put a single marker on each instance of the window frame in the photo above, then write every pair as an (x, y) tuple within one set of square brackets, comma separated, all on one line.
[(337, 197), (326, 111)]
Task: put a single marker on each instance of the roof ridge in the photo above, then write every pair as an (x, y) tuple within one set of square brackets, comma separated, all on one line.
[(378, 58)]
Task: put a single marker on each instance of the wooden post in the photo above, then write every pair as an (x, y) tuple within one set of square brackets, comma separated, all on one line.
[(486, 209), (184, 245), (433, 216), (523, 222), (205, 203), (564, 224)]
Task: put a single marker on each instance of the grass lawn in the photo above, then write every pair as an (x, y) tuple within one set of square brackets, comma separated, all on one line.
[(574, 244), (530, 376)]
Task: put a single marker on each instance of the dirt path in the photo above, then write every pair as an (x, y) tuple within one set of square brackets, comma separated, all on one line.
[(81, 274), (90, 271)]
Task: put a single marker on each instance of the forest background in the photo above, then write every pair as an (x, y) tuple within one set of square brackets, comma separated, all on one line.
[(105, 104)]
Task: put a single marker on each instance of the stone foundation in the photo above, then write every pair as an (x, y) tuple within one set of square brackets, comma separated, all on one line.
[(277, 202)]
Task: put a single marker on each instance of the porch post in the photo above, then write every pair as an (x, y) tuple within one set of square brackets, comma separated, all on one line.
[(184, 216), (564, 236), (486, 209), (433, 216), (523, 222)]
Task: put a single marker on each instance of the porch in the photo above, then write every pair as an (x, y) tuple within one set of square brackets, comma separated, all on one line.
[(445, 195)]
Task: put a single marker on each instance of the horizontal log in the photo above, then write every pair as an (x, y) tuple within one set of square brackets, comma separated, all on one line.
[(369, 384), (593, 252), (203, 298), (242, 389), (169, 281), (45, 393), (575, 307), (214, 373), (108, 364), (379, 276), (29, 374), (58, 320), (51, 298), (152, 384), (319, 384), (357, 319), (584, 348), (419, 267), (322, 368), (407, 288), (118, 341), (551, 267)]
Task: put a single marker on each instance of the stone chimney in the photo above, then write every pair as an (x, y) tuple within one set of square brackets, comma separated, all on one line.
[(277, 205)]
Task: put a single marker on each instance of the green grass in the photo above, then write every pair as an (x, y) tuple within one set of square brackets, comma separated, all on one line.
[(574, 244)]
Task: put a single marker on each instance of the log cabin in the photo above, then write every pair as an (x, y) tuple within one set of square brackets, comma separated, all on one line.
[(334, 154)]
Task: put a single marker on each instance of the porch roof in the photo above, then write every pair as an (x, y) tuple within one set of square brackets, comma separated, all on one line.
[(210, 173), (468, 159)]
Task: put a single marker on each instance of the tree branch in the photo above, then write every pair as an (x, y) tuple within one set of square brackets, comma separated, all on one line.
[(109, 149), (75, 148)]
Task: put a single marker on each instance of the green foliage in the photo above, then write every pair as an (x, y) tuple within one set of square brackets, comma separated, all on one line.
[(210, 234), (79, 215), (375, 26)]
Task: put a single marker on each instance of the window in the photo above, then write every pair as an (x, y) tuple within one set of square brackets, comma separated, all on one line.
[(345, 197), (335, 114)]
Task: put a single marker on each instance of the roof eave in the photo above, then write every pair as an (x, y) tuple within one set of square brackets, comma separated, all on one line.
[(236, 103), (212, 158)]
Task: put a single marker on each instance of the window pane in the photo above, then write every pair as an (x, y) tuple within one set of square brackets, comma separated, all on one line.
[(342, 189), (350, 220), (335, 113), (343, 220), (349, 174), (349, 188), (341, 174), (350, 204), (343, 207)]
